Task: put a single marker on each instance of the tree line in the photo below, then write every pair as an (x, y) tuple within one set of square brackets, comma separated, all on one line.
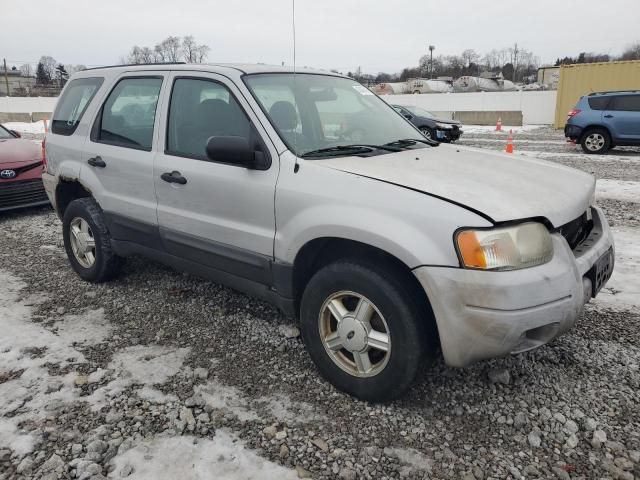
[(171, 49)]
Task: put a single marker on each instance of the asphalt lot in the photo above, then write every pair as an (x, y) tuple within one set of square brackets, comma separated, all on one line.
[(160, 375)]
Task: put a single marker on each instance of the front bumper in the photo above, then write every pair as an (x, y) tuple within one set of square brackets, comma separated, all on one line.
[(449, 135), (22, 194), (483, 315)]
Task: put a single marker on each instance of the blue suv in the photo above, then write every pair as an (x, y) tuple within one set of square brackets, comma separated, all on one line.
[(601, 121)]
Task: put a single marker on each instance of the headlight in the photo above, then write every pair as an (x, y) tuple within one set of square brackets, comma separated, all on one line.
[(509, 248), (444, 126)]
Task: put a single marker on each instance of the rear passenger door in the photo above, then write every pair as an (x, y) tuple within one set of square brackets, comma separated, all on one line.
[(622, 117), (118, 157), (223, 216)]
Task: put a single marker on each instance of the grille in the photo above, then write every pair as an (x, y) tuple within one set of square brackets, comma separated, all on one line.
[(576, 230), (15, 194)]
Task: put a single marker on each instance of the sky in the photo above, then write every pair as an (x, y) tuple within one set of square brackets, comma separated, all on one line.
[(377, 35)]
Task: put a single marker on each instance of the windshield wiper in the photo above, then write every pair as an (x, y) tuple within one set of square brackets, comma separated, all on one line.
[(349, 149), (412, 141)]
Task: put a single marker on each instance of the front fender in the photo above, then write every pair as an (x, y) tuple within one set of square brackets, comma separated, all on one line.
[(319, 202)]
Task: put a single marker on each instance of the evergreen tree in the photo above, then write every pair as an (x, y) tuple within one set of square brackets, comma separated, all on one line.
[(42, 76)]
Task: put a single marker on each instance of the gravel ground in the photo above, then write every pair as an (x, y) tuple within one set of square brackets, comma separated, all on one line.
[(159, 375)]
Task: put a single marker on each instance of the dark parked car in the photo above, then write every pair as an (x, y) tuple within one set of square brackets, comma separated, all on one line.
[(20, 172), (600, 121), (431, 126)]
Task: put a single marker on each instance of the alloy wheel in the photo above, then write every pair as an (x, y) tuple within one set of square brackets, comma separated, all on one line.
[(595, 142), (83, 243), (355, 334)]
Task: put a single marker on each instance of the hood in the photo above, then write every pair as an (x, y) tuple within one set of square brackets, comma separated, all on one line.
[(501, 187), (447, 121), (18, 150)]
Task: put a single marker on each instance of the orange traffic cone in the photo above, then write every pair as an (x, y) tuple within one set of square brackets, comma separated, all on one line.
[(509, 148), (499, 125)]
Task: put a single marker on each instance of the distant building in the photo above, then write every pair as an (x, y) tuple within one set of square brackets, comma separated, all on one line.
[(549, 77), (19, 85)]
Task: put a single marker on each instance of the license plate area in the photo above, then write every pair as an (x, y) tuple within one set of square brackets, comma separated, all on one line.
[(601, 272)]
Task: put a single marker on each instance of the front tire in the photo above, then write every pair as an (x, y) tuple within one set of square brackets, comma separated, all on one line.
[(429, 133), (364, 329), (596, 141), (88, 243)]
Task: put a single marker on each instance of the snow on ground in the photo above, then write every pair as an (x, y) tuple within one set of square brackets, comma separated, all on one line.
[(26, 127), (622, 291), (26, 348), (222, 458), (576, 155), (623, 190), (505, 129), (144, 365)]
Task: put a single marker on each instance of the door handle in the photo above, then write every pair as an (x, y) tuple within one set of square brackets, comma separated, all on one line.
[(608, 116), (96, 162), (173, 177)]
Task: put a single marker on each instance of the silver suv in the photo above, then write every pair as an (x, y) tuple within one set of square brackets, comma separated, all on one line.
[(386, 247)]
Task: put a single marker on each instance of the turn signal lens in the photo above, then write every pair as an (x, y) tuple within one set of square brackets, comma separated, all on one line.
[(509, 248)]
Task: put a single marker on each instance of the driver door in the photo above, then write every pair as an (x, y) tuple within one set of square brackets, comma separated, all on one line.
[(222, 216)]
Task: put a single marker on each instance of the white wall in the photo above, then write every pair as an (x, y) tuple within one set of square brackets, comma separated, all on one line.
[(538, 108), (27, 104)]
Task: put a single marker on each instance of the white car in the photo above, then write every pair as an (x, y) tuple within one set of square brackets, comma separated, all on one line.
[(385, 247)]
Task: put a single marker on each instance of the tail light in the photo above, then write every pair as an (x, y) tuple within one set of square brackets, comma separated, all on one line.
[(44, 155), (573, 113)]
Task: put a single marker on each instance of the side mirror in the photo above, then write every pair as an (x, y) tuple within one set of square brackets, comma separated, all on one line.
[(407, 116), (16, 134), (234, 150)]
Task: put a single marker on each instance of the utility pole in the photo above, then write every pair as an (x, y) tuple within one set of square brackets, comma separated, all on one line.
[(431, 49), (6, 76), (515, 62)]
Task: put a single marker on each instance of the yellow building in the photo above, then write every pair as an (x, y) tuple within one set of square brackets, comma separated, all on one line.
[(584, 78)]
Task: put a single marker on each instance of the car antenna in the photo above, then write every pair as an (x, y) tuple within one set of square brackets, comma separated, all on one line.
[(296, 166)]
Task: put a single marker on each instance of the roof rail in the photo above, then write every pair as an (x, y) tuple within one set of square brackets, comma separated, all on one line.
[(614, 91), (134, 65)]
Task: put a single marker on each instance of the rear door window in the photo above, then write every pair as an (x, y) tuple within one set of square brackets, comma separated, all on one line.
[(626, 103), (599, 103), (73, 103), (129, 113)]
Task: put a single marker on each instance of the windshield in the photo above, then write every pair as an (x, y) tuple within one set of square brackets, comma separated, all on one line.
[(4, 134), (420, 112), (317, 112)]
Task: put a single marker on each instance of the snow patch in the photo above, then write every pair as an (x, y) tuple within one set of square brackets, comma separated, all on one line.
[(622, 291), (622, 190), (226, 398), (411, 459), (144, 365), (26, 127), (90, 327), (223, 458), (25, 350)]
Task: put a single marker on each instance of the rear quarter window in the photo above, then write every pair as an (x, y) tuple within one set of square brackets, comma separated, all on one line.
[(599, 103), (73, 103)]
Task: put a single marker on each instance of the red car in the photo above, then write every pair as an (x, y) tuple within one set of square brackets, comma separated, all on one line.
[(20, 172)]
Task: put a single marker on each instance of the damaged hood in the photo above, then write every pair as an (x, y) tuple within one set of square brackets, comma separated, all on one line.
[(502, 187)]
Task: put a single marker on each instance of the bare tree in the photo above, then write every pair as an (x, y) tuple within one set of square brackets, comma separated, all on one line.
[(49, 64), (470, 56), (189, 49), (632, 52), (169, 49)]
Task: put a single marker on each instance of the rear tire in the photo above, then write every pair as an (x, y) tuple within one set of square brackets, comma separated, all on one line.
[(596, 141), (378, 310), (88, 242)]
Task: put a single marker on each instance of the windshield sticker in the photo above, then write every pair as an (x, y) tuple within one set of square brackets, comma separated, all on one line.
[(362, 90)]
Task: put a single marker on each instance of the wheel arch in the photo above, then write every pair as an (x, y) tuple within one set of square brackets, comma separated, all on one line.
[(67, 191), (319, 252), (594, 126)]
